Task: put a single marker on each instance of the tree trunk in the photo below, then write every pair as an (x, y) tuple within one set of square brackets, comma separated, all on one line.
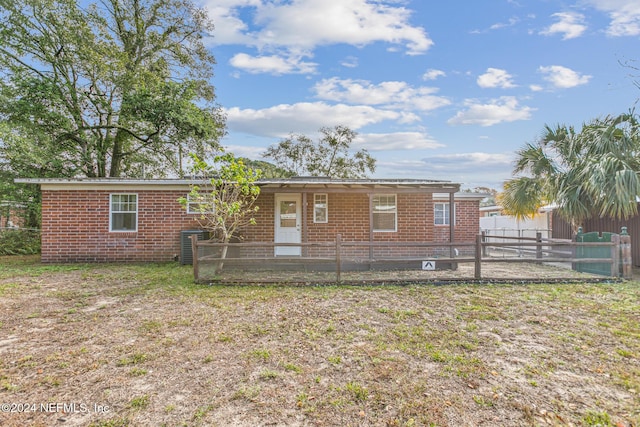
[(116, 156), (223, 255)]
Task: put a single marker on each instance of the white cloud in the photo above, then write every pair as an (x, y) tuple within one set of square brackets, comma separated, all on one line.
[(486, 169), (570, 24), (306, 118), (395, 141), (433, 74), (272, 64), (301, 26), (563, 77), (468, 161), (250, 152), (392, 94), (495, 77), (503, 109), (349, 62), (624, 14), (473, 169), (229, 26), (510, 23)]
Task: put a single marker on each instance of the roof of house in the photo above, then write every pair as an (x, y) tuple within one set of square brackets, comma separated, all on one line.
[(462, 195), (277, 184), (492, 208)]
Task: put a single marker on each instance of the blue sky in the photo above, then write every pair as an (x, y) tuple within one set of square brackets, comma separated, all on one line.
[(435, 89)]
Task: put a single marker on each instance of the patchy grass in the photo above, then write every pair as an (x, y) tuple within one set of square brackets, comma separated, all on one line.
[(142, 345)]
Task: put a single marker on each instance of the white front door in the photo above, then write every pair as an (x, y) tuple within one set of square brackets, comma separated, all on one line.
[(288, 224)]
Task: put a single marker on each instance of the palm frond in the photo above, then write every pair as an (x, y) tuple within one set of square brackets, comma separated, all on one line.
[(522, 197), (595, 171), (533, 160)]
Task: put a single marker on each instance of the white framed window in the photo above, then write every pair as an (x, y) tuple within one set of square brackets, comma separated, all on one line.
[(385, 212), (123, 212), (320, 208), (199, 205), (441, 213)]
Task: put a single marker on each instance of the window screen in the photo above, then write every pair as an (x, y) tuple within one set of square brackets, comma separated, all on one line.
[(124, 212), (384, 212)]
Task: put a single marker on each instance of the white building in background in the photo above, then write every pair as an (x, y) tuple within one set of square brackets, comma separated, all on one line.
[(494, 223)]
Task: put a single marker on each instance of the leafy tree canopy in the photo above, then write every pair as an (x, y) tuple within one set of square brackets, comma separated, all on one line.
[(594, 171), (490, 200), (268, 170), (329, 156), (113, 88)]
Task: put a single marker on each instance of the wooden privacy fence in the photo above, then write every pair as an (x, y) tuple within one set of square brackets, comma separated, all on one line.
[(339, 255)]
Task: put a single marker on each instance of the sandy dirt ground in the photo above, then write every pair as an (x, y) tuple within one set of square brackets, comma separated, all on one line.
[(143, 346)]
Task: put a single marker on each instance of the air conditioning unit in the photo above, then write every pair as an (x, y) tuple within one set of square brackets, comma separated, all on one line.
[(186, 253)]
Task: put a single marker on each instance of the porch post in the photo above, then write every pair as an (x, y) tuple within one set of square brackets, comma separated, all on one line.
[(305, 231), (370, 194), (452, 234)]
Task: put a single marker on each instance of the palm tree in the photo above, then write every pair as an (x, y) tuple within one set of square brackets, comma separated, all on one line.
[(594, 172)]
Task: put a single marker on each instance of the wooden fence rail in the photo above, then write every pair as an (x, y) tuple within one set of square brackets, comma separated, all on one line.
[(477, 252)]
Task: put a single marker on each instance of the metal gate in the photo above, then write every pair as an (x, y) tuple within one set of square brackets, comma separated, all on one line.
[(601, 268)]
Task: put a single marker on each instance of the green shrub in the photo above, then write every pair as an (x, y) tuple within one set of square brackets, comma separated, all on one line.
[(19, 242)]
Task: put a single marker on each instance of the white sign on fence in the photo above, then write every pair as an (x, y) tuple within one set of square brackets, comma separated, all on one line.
[(429, 265)]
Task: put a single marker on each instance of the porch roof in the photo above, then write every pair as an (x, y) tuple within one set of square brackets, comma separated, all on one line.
[(296, 184)]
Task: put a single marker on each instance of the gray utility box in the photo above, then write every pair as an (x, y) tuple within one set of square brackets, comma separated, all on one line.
[(186, 254)]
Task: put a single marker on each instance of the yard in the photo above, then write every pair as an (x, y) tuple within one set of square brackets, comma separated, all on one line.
[(141, 345)]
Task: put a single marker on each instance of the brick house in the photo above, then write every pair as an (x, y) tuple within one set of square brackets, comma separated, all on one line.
[(111, 219)]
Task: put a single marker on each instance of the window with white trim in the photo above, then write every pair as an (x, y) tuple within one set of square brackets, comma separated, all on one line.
[(320, 208), (441, 214), (385, 212), (199, 205), (123, 212)]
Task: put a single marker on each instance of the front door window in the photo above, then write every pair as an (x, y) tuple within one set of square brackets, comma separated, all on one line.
[(288, 213)]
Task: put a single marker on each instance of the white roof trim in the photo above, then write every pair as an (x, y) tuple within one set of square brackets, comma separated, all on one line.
[(295, 180), (308, 182)]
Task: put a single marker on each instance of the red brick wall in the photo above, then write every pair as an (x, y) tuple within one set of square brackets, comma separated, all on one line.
[(263, 230), (75, 227), (348, 215), (75, 224), (467, 224)]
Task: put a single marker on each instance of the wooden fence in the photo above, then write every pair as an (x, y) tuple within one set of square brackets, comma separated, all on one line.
[(563, 230), (533, 250), (618, 252)]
